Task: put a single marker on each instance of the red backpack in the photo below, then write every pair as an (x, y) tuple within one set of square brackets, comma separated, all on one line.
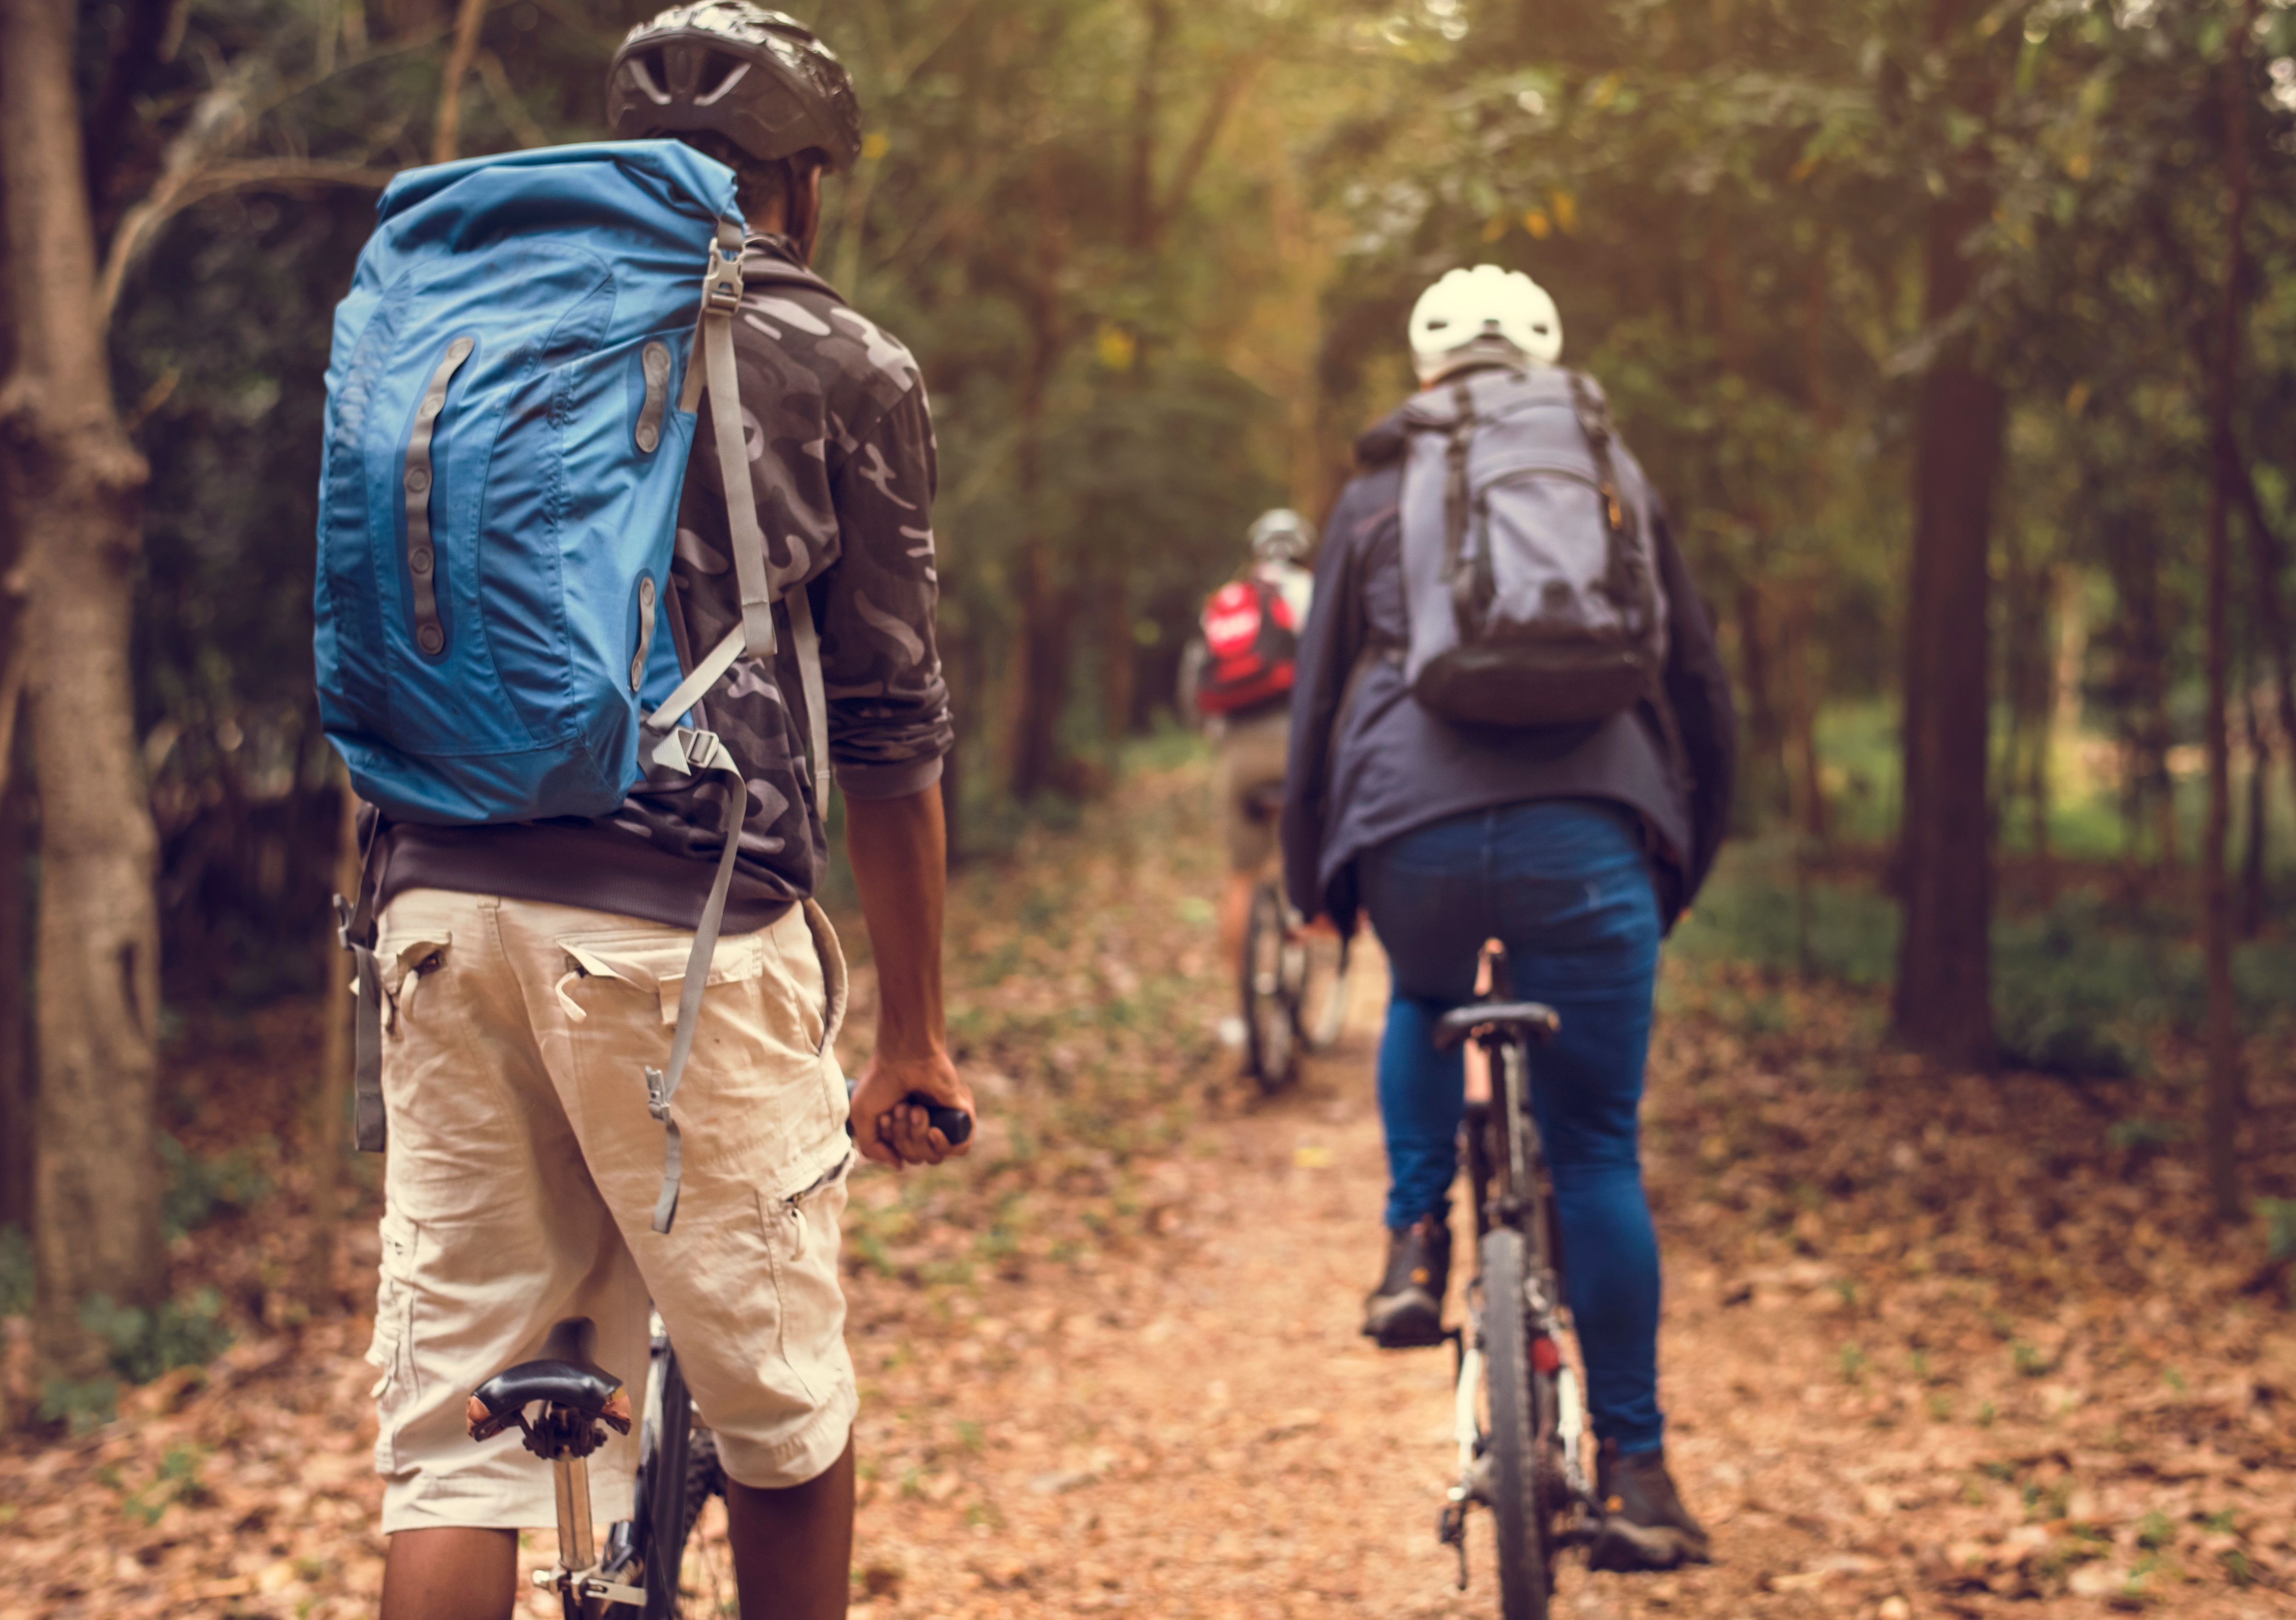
[(1251, 643)]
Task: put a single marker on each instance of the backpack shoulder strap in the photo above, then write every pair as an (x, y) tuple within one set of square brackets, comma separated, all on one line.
[(711, 365), (1457, 502), (1593, 414)]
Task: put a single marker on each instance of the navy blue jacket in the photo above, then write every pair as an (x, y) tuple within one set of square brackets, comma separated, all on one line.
[(1388, 766)]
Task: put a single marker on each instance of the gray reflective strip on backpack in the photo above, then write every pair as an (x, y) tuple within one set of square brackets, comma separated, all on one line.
[(655, 363), (422, 556), (688, 750)]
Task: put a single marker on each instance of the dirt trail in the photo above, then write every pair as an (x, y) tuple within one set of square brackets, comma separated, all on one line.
[(1201, 1431), (1932, 1345)]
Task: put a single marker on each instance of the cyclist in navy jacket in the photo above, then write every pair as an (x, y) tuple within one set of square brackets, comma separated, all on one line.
[(1578, 847)]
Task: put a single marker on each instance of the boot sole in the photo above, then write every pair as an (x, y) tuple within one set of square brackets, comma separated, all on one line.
[(1414, 1322), (1628, 1548)]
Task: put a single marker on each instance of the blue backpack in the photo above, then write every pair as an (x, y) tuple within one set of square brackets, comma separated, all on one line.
[(510, 404)]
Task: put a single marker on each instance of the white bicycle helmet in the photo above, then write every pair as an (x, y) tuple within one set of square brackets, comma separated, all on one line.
[(1282, 535), (1483, 316)]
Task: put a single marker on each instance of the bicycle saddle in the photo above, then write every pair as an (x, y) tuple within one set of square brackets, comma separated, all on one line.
[(577, 1392), (1507, 1020)]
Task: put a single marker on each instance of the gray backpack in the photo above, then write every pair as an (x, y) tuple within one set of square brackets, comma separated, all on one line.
[(1532, 594)]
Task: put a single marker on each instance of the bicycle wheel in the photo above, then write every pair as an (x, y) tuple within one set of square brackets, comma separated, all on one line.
[(1511, 1423), (1271, 1042)]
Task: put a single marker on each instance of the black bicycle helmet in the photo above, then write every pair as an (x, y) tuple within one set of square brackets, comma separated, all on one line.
[(759, 78)]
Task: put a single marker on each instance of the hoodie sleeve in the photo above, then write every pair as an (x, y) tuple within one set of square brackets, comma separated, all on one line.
[(889, 717), (1327, 653)]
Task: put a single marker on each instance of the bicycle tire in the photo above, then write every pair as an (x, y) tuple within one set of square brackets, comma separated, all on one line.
[(1517, 1502), (1270, 1016)]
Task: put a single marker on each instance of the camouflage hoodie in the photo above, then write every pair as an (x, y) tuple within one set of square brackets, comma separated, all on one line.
[(841, 455)]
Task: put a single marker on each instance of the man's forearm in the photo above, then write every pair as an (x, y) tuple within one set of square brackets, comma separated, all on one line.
[(899, 850)]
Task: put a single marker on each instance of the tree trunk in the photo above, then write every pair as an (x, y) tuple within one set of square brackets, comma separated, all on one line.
[(2255, 885), (16, 1091), (75, 486), (1944, 994), (2268, 561), (2223, 1035)]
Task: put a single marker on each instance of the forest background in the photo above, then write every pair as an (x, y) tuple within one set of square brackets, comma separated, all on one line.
[(1961, 339)]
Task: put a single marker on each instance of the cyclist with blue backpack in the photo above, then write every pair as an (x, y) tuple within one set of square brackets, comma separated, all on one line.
[(1511, 722), (626, 551)]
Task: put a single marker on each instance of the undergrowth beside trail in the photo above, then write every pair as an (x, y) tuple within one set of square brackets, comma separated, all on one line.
[(2028, 1264), (2089, 986), (1083, 990)]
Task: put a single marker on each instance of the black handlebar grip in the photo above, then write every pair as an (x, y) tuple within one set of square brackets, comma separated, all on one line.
[(954, 1123)]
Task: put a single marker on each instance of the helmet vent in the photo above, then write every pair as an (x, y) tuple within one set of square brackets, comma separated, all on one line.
[(645, 72), (733, 72)]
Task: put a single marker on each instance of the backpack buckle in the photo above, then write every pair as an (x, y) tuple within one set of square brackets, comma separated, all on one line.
[(721, 282)]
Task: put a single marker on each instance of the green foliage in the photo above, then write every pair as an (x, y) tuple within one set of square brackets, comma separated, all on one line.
[(79, 1404), (2279, 1227), (201, 1189), (2077, 990), (2128, 1135), (146, 1343)]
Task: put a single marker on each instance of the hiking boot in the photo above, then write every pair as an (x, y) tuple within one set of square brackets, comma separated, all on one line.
[(1405, 1311), (1645, 1524)]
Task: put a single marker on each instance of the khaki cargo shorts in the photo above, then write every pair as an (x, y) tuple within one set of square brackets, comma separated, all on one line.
[(1249, 756), (523, 1168)]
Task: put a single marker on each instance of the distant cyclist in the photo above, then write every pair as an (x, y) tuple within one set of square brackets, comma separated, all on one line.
[(1241, 684), (1511, 722)]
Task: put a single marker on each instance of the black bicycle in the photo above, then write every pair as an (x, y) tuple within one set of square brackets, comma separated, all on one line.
[(1294, 985), (1521, 1415), (564, 1403)]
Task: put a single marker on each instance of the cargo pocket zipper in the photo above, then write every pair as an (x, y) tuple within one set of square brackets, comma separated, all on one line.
[(795, 1203)]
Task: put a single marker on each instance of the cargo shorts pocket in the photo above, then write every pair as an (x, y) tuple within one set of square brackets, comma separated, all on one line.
[(391, 1351), (803, 1240), (652, 964), (407, 961)]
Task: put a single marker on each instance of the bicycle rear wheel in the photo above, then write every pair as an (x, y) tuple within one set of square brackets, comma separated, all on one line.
[(1511, 1425), (1270, 991)]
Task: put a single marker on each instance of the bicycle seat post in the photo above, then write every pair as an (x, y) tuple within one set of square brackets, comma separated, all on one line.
[(571, 1475)]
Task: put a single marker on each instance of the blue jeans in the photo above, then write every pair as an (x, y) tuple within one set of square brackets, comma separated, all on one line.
[(1564, 886)]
